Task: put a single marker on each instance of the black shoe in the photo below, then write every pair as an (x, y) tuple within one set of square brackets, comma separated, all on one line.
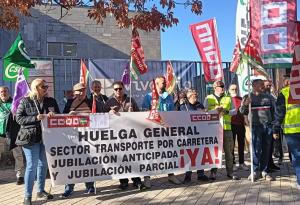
[(136, 184), (123, 186), (203, 178), (20, 181), (66, 194), (143, 187), (139, 185), (187, 179), (213, 176), (44, 195), (27, 201), (90, 190), (273, 167), (233, 177)]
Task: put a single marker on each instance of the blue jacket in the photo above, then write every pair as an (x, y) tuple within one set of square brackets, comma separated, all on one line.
[(166, 102)]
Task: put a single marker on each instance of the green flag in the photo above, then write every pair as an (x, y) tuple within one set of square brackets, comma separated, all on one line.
[(16, 58)]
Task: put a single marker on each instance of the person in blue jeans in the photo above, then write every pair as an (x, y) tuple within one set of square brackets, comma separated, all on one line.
[(30, 112), (263, 109), (165, 103), (288, 117), (79, 104), (192, 104)]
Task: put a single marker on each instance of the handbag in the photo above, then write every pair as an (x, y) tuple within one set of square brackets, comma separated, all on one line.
[(27, 135)]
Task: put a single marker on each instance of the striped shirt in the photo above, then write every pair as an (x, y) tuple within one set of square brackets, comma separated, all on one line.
[(262, 107)]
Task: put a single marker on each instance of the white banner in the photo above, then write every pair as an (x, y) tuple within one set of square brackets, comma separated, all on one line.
[(242, 29), (132, 146)]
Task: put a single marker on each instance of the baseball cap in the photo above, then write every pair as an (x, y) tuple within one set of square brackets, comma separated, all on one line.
[(218, 84), (78, 86), (255, 78)]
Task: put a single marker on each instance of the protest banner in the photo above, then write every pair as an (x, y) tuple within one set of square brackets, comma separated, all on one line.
[(242, 30), (127, 145), (294, 97), (272, 30), (205, 36)]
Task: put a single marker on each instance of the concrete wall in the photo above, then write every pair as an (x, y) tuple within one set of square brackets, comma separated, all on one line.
[(93, 40)]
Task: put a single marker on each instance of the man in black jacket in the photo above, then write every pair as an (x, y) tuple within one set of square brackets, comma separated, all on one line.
[(98, 97), (120, 102)]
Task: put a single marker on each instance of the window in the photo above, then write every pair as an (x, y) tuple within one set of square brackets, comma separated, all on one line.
[(62, 49), (69, 49), (54, 49)]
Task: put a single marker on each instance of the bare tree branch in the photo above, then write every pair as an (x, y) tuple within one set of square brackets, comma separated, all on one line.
[(146, 18)]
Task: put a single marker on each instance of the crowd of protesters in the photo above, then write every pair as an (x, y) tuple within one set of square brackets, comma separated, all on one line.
[(268, 115)]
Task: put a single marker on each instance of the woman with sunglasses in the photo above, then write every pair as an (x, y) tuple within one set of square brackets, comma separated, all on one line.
[(192, 104), (32, 109)]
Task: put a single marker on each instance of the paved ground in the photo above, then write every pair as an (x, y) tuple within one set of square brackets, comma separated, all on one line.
[(223, 191)]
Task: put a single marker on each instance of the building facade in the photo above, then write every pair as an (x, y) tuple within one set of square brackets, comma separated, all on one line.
[(55, 32)]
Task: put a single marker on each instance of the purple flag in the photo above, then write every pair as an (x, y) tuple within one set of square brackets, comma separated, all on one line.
[(21, 90), (126, 75)]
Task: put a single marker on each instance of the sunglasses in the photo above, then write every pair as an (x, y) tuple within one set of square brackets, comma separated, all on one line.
[(80, 90), (116, 89), (45, 87)]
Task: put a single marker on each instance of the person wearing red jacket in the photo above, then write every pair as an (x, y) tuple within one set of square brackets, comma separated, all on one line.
[(238, 127)]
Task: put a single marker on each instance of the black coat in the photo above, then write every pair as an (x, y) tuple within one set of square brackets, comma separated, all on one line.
[(27, 112), (12, 129), (123, 107), (100, 102)]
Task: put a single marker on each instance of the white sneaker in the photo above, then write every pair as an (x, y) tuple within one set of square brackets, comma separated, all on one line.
[(173, 179), (244, 167), (147, 182), (256, 176), (267, 176), (297, 186)]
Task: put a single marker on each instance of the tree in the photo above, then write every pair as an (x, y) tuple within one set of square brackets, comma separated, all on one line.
[(147, 15)]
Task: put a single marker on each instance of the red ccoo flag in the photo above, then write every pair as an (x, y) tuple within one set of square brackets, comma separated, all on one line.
[(137, 61), (294, 96), (94, 106), (83, 73), (252, 57), (170, 78), (154, 114), (236, 57)]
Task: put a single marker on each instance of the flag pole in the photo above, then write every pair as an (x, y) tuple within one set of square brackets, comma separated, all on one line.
[(249, 95), (130, 64), (130, 87), (250, 125)]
